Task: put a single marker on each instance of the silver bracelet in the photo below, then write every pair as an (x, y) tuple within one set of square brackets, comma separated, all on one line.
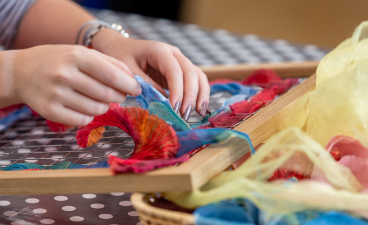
[(95, 26)]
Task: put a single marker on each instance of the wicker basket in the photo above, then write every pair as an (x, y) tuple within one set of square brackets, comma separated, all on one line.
[(149, 215)]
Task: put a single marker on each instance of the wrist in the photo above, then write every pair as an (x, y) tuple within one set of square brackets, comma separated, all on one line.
[(8, 94), (106, 41)]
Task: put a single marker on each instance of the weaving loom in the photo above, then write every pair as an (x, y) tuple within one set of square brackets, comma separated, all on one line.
[(30, 141)]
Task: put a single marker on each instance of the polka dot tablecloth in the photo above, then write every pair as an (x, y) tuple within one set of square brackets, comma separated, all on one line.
[(37, 145), (113, 208)]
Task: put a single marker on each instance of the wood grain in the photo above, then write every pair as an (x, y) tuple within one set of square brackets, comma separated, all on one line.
[(239, 72)]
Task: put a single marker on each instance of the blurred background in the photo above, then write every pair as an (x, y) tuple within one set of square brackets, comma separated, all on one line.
[(324, 23)]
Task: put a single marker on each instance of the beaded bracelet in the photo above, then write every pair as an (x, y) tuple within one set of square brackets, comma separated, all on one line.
[(94, 27)]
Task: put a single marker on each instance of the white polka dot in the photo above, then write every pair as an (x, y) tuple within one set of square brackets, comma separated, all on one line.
[(10, 213), (4, 203), (113, 153), (125, 203), (37, 131), (49, 149), (24, 150), (11, 134), (42, 141), (18, 223), (76, 218), (30, 159), (85, 155), (74, 147), (39, 210), (89, 196), (117, 193), (133, 213), (57, 158), (68, 208), (139, 223), (4, 162), (105, 216), (97, 206), (32, 200), (47, 221), (69, 136), (18, 142), (60, 198)]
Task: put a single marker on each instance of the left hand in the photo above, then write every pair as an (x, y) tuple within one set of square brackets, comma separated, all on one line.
[(166, 67)]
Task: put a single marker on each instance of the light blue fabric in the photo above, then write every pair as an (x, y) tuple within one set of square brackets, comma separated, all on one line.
[(149, 94), (234, 89), (193, 139), (234, 99), (244, 212), (57, 166), (21, 113), (163, 111)]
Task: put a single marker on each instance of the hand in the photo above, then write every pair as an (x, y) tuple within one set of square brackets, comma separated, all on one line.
[(166, 66), (70, 84)]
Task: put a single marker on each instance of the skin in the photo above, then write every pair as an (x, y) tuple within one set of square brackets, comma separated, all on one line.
[(70, 84)]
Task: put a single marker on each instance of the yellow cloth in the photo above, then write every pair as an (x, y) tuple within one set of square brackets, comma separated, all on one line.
[(339, 103), (337, 106), (338, 190)]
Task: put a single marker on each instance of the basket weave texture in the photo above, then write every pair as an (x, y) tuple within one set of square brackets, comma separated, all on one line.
[(150, 215)]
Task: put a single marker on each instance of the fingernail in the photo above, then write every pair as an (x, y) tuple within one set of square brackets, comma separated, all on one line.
[(208, 110), (177, 107), (187, 113), (204, 109), (139, 91)]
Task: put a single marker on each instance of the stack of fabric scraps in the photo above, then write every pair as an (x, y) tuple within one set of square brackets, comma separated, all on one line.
[(328, 191), (249, 95)]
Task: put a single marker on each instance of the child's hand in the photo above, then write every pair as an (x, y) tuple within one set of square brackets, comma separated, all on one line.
[(164, 63), (70, 84)]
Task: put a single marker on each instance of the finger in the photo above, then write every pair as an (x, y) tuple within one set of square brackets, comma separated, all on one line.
[(138, 71), (203, 98), (91, 88), (60, 114), (164, 62), (115, 61), (191, 83), (82, 104), (106, 72)]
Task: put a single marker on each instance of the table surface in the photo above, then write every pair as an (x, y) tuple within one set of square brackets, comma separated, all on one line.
[(203, 47)]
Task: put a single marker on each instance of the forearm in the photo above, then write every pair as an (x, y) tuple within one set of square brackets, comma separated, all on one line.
[(51, 22), (7, 94)]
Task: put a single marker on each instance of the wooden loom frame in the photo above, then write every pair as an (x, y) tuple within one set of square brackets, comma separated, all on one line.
[(187, 176)]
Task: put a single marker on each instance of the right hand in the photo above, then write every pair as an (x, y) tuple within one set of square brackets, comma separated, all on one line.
[(70, 84)]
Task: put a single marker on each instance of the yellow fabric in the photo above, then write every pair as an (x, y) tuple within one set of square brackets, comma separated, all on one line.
[(290, 149), (337, 106), (339, 103)]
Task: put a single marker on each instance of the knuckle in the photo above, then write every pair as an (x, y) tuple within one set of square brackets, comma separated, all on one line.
[(55, 93), (84, 120), (113, 77), (61, 76), (176, 49), (99, 109), (74, 52), (108, 95)]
